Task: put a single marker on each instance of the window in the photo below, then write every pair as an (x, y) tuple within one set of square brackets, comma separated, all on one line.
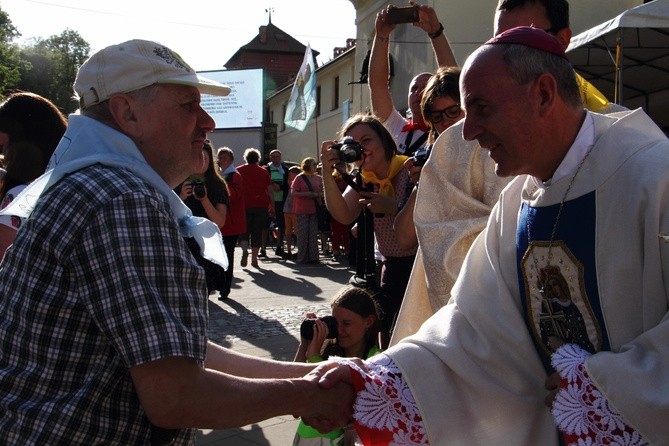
[(284, 106), (335, 93), (318, 100)]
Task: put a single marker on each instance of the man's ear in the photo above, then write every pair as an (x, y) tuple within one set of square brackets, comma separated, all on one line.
[(546, 92), (122, 107), (564, 37)]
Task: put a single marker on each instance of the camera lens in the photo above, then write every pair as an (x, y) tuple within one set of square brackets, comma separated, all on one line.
[(307, 327), (350, 150), (198, 190)]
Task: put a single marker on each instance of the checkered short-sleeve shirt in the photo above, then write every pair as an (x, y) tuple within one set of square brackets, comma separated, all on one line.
[(98, 280)]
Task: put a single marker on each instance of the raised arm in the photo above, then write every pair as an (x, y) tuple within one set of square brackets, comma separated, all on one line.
[(429, 22), (379, 68)]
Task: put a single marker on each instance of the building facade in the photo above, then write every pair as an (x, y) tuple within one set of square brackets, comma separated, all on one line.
[(467, 24), (342, 88)]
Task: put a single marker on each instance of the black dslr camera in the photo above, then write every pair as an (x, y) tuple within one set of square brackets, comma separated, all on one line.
[(307, 327), (349, 150), (421, 156), (198, 188)]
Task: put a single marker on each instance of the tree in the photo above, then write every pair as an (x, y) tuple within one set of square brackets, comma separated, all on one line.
[(10, 62), (54, 63)]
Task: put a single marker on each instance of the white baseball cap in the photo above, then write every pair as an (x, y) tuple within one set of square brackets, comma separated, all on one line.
[(133, 65)]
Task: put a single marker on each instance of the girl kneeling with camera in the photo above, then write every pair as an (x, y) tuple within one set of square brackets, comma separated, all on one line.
[(357, 330)]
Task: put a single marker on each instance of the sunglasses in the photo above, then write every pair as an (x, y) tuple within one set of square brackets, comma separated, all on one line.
[(452, 112)]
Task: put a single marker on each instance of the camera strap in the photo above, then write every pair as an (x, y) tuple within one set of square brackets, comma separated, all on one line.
[(365, 265), (311, 189), (410, 148), (348, 179)]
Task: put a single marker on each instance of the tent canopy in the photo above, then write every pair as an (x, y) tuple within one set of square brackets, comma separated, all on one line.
[(627, 59)]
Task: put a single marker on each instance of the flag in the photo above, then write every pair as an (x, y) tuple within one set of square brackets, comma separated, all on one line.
[(302, 102)]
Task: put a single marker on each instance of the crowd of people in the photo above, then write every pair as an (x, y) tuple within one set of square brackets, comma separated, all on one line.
[(509, 246)]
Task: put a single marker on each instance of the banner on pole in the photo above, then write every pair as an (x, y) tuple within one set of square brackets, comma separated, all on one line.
[(302, 102)]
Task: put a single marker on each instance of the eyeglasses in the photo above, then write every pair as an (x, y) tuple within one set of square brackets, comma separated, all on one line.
[(452, 112)]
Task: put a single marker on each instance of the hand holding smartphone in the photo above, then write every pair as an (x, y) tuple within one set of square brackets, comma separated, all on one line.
[(404, 14)]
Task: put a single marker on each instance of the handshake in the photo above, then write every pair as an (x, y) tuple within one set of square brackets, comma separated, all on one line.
[(334, 397)]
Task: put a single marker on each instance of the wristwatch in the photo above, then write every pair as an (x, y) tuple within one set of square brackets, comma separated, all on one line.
[(437, 33)]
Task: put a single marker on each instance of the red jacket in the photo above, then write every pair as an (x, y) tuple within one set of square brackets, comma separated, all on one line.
[(235, 220)]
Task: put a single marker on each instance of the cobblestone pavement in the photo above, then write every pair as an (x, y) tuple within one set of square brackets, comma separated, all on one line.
[(273, 300), (260, 323)]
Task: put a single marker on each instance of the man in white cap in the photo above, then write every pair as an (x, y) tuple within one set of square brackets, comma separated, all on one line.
[(104, 309)]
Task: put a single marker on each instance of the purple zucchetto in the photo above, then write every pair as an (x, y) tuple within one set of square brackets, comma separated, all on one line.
[(530, 36)]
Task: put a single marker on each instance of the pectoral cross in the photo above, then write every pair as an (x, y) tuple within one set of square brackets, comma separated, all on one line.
[(552, 318)]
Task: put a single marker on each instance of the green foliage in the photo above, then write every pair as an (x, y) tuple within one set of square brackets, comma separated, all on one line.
[(10, 62), (54, 63), (47, 67)]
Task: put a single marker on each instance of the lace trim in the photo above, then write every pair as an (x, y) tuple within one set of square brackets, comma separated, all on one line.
[(385, 410), (581, 411)]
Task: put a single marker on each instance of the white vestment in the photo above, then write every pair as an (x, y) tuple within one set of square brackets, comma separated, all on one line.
[(458, 188), (473, 368)]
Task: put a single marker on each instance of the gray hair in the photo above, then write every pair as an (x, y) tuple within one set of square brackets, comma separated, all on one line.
[(526, 64), (100, 111), (226, 151)]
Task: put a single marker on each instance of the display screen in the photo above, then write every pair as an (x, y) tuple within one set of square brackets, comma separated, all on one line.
[(243, 107)]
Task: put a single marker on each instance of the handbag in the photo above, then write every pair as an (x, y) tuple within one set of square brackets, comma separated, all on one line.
[(322, 214)]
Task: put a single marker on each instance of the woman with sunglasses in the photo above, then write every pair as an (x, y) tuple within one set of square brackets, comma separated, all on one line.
[(440, 107)]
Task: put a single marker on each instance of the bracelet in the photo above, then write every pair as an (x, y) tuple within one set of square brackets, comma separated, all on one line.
[(437, 33), (382, 39)]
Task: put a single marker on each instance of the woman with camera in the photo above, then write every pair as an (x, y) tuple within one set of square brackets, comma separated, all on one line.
[(383, 188), (351, 332), (206, 195)]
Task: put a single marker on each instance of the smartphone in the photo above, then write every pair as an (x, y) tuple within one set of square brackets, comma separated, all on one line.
[(405, 14)]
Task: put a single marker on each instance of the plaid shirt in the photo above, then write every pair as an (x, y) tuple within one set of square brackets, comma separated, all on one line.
[(98, 280)]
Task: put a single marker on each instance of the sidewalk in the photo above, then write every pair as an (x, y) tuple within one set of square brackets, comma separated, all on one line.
[(262, 317)]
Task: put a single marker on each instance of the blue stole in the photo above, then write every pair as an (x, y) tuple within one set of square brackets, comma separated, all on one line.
[(576, 230)]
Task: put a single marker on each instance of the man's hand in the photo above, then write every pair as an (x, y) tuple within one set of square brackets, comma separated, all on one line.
[(552, 383), (334, 372), (382, 26), (333, 407), (427, 19), (553, 386)]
